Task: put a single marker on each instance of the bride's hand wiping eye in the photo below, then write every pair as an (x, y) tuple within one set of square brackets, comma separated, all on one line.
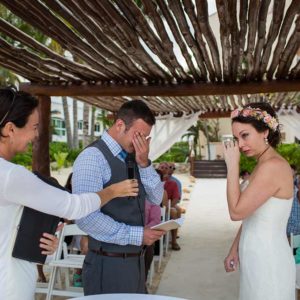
[(231, 152)]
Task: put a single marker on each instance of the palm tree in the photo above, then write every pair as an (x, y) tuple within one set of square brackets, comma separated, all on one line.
[(103, 118), (85, 125), (53, 45), (93, 120), (75, 125), (215, 130), (67, 122), (194, 132), (210, 129)]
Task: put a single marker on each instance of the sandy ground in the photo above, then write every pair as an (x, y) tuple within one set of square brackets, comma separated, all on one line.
[(196, 272), (61, 175)]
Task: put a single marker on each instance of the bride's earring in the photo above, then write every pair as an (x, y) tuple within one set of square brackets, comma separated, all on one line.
[(266, 141)]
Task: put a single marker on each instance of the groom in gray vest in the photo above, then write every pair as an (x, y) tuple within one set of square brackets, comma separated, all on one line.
[(117, 235)]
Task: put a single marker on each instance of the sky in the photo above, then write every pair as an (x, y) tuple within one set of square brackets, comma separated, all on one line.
[(211, 6), (211, 10)]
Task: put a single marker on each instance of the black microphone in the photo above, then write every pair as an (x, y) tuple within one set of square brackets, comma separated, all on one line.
[(130, 163), (131, 173)]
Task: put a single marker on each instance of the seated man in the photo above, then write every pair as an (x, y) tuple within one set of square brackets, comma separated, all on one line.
[(172, 168), (173, 195)]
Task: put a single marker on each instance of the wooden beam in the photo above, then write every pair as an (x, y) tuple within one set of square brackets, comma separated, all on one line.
[(215, 115), (163, 90), (40, 151)]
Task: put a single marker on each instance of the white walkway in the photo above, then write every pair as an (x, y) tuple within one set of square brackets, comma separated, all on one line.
[(196, 272)]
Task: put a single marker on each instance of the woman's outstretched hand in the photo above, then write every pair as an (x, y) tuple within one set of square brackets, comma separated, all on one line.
[(125, 188), (128, 187)]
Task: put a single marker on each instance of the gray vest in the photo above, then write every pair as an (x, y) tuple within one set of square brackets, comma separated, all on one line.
[(128, 210)]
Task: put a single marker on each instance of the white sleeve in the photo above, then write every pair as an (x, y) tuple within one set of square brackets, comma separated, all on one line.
[(23, 187)]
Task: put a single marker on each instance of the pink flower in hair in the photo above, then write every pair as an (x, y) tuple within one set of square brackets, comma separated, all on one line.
[(235, 113), (258, 114), (247, 112), (267, 119)]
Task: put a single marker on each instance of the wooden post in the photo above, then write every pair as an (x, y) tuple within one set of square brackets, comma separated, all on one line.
[(40, 151)]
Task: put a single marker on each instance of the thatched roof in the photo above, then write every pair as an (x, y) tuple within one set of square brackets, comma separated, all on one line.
[(168, 52)]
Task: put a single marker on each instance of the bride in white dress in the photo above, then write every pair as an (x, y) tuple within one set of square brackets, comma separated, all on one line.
[(267, 267)]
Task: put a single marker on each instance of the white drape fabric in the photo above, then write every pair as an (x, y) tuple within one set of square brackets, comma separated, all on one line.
[(290, 120), (167, 131)]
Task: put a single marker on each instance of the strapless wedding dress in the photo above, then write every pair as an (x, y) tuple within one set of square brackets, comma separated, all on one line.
[(267, 266)]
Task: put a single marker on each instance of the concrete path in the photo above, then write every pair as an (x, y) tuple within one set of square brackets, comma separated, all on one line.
[(197, 272)]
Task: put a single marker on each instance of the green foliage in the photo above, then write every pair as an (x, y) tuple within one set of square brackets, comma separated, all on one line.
[(104, 119), (247, 163), (177, 153), (72, 155), (57, 147), (139, 3), (291, 152), (7, 77), (24, 159), (55, 150), (60, 159), (22, 25), (62, 147)]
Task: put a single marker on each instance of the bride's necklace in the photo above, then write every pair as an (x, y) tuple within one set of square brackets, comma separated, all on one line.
[(260, 155)]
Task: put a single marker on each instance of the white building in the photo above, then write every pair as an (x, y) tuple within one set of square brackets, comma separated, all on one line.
[(58, 119)]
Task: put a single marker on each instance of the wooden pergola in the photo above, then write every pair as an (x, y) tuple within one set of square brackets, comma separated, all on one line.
[(169, 53)]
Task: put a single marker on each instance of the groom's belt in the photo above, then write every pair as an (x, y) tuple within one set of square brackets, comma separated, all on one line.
[(117, 254)]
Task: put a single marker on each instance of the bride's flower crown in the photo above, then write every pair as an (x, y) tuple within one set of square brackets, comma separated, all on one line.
[(258, 114)]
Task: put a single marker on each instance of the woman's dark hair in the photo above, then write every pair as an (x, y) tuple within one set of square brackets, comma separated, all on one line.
[(133, 110), (274, 136), (15, 107)]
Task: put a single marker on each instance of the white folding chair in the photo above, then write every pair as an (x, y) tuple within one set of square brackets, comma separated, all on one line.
[(167, 235), (42, 287), (161, 249), (161, 240), (295, 243), (69, 261)]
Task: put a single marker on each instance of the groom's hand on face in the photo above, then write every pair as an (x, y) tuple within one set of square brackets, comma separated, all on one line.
[(151, 235), (141, 146)]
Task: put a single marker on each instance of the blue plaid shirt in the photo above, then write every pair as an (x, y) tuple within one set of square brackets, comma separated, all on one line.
[(293, 225), (90, 172)]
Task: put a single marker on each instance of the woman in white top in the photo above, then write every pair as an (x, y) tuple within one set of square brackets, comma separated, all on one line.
[(18, 187), (267, 268)]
